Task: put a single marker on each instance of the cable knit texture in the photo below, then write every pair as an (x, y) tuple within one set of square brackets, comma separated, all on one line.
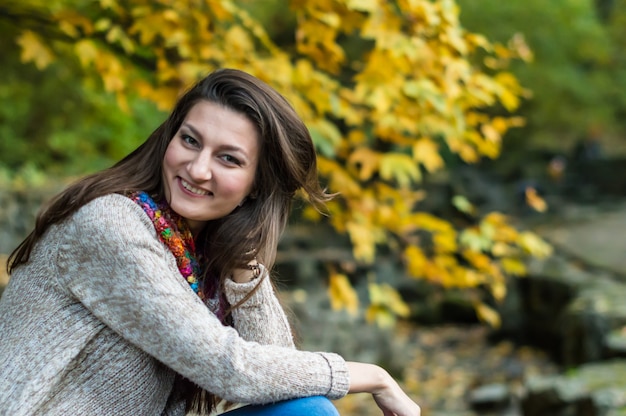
[(99, 321)]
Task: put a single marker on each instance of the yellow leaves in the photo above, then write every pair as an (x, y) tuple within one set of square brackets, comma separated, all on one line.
[(510, 91), (239, 40), (112, 72), (463, 204), (69, 29), (86, 51), (385, 305), (487, 314), (111, 4), (535, 245), (34, 50), (420, 88), (117, 35), (315, 88), (534, 200), (428, 222), (478, 260), (316, 36), (364, 238), (399, 167), (496, 226), (365, 161), (449, 11), (146, 25), (341, 294), (402, 169), (73, 24), (380, 70), (498, 287), (376, 119), (520, 47), (163, 97), (474, 240), (102, 24), (426, 152), (363, 5), (445, 242), (380, 23), (475, 40), (415, 260), (514, 267), (428, 91), (491, 133), (339, 179)]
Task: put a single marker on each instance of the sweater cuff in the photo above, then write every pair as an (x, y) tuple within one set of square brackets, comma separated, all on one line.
[(339, 376), (235, 292)]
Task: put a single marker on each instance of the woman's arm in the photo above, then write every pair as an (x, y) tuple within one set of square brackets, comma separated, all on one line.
[(113, 263), (364, 378), (369, 378), (260, 318)]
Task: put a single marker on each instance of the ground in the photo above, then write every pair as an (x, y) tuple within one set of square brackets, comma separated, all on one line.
[(452, 360)]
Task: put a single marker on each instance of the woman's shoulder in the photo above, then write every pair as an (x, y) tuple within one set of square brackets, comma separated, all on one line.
[(112, 209)]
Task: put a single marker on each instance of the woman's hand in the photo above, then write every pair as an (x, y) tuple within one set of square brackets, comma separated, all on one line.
[(369, 378), (251, 272)]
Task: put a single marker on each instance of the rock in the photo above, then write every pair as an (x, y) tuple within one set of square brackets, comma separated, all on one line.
[(490, 397), (589, 319), (18, 210), (567, 310), (596, 389), (615, 343), (543, 295), (319, 328)]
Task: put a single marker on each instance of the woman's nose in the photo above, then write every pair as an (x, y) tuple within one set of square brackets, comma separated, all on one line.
[(200, 167)]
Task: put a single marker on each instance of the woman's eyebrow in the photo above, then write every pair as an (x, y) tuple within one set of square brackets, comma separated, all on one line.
[(192, 128)]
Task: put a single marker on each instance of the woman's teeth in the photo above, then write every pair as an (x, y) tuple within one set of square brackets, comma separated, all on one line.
[(193, 189)]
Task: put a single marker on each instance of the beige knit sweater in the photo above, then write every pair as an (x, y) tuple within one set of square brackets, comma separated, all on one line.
[(100, 320)]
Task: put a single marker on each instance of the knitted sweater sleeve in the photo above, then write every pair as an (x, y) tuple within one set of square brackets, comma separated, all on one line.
[(260, 318), (113, 263)]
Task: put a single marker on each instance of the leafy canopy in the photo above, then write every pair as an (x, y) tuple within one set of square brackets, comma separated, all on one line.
[(384, 87)]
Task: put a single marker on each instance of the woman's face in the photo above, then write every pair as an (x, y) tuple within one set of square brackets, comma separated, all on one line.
[(210, 163)]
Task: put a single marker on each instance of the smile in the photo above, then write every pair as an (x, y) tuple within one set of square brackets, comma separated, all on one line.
[(192, 188)]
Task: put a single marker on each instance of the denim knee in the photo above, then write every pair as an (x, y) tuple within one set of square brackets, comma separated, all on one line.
[(307, 406)]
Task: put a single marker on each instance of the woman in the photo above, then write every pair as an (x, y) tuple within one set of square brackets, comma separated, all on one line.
[(144, 289)]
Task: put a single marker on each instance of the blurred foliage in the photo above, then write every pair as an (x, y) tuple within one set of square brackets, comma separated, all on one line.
[(58, 120), (577, 78), (385, 88)]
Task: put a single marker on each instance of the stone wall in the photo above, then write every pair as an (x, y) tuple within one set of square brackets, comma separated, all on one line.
[(18, 209)]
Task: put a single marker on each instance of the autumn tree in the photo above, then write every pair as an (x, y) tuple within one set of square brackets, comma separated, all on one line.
[(384, 87)]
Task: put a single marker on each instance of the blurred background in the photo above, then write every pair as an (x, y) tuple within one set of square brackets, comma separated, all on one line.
[(476, 246)]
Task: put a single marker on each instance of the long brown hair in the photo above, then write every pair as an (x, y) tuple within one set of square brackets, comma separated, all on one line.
[(287, 162)]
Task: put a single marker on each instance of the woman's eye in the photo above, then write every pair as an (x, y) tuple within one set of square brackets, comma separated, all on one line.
[(189, 140), (231, 159)]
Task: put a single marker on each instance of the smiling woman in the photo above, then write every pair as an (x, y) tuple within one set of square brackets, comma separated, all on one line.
[(145, 289), (209, 166)]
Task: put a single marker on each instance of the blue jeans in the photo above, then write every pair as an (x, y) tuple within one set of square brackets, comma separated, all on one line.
[(308, 406)]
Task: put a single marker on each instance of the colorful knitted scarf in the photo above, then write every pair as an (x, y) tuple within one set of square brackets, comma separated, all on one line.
[(175, 234)]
